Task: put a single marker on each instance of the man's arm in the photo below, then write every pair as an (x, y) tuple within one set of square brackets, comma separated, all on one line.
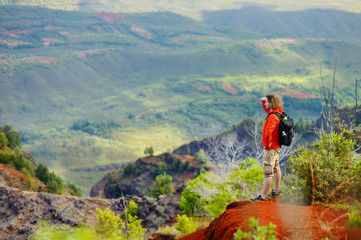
[(271, 125), (264, 99)]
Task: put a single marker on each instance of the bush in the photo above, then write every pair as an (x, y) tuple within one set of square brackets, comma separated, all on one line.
[(3, 140), (52, 181), (354, 220), (201, 156), (185, 224), (11, 135), (132, 208), (326, 173), (111, 226), (256, 232), (75, 191), (162, 186), (160, 169), (209, 194), (5, 158)]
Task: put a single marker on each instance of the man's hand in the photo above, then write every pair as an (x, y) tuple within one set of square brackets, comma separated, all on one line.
[(263, 99)]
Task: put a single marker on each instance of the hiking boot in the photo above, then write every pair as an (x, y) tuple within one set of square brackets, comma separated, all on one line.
[(259, 198), (275, 194)]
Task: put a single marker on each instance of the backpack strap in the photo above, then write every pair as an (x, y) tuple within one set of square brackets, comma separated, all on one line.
[(275, 113)]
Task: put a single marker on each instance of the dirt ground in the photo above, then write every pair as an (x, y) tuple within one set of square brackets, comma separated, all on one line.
[(292, 222)]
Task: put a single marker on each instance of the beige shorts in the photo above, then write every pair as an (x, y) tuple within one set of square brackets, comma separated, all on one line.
[(271, 162)]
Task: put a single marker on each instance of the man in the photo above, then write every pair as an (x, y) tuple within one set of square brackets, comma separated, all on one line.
[(270, 140)]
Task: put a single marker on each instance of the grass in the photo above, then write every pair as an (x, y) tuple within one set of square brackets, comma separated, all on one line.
[(64, 149)]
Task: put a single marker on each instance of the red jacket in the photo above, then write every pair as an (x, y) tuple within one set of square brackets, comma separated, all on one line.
[(270, 134)]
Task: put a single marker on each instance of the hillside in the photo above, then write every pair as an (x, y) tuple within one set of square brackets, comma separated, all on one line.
[(190, 8), (100, 91), (21, 211)]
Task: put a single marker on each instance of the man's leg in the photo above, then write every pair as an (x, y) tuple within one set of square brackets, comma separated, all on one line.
[(278, 176), (267, 183)]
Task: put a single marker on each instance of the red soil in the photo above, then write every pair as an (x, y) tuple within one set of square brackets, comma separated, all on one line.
[(202, 87), (49, 27), (292, 222), (110, 17), (297, 94), (14, 173), (228, 87), (15, 43), (40, 60)]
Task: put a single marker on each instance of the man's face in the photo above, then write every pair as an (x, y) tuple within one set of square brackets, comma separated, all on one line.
[(267, 104)]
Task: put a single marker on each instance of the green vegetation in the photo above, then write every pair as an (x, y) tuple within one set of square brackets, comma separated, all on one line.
[(110, 226), (257, 232), (149, 151), (97, 129), (132, 208), (16, 160), (185, 224), (52, 181), (160, 169), (162, 186), (11, 138), (209, 194), (354, 220), (192, 79), (327, 173), (129, 169)]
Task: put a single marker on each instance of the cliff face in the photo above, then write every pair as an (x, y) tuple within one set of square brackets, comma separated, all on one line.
[(292, 222), (20, 211), (138, 179)]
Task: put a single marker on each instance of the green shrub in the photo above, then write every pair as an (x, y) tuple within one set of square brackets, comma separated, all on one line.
[(5, 158), (325, 173), (132, 208), (52, 181), (3, 140), (354, 220), (256, 232), (209, 194), (162, 186), (12, 136), (75, 191), (185, 224), (109, 225), (160, 169), (201, 156)]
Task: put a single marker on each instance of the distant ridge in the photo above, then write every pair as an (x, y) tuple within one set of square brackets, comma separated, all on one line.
[(318, 23)]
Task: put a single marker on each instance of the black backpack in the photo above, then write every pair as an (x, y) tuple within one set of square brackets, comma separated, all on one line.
[(287, 128)]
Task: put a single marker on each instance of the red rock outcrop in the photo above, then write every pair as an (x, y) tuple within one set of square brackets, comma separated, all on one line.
[(292, 222)]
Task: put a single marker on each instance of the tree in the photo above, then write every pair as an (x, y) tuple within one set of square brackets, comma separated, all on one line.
[(149, 150), (3, 140), (13, 136), (253, 128), (225, 151), (160, 169), (328, 97), (326, 173), (162, 186)]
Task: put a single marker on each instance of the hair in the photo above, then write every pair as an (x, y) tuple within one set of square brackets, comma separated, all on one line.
[(275, 100)]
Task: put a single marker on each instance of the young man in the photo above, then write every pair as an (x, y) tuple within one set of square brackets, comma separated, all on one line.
[(271, 145)]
